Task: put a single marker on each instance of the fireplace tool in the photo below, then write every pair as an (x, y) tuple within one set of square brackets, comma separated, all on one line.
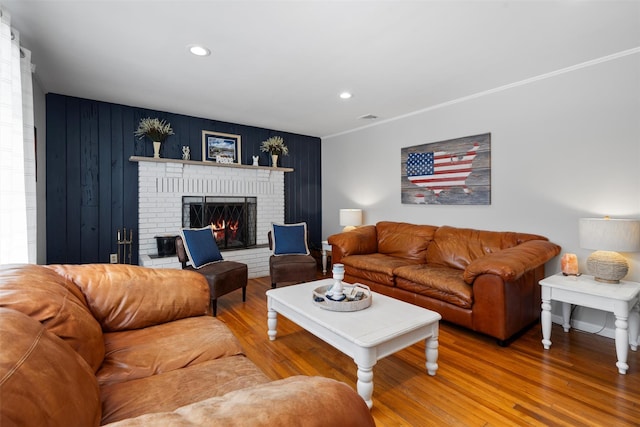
[(124, 246)]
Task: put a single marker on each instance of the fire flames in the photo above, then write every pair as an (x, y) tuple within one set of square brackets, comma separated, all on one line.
[(222, 228)]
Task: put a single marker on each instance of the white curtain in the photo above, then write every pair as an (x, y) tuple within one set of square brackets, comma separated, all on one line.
[(17, 150)]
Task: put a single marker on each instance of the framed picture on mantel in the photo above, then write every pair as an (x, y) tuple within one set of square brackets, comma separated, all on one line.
[(220, 147)]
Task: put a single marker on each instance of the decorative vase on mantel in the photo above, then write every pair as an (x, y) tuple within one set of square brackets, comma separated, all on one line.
[(156, 149), (274, 160), (156, 130)]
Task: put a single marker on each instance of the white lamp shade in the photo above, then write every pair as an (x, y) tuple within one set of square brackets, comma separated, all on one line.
[(350, 217), (618, 235)]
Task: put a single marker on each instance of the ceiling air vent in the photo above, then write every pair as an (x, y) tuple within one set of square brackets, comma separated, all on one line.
[(368, 117)]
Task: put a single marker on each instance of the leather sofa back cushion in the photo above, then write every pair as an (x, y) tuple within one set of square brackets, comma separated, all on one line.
[(124, 297), (458, 247), (43, 381), (403, 240), (58, 304)]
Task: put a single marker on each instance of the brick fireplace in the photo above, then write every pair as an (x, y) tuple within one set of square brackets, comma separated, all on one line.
[(163, 183)]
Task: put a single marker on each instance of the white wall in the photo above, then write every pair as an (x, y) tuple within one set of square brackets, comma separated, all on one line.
[(563, 147), (39, 116)]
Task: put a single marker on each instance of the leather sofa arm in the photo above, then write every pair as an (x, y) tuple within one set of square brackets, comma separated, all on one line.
[(297, 400), (362, 240), (124, 297), (511, 263)]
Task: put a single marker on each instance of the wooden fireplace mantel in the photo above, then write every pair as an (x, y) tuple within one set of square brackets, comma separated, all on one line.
[(201, 163)]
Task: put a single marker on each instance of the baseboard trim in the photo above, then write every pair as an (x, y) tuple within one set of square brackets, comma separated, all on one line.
[(589, 327)]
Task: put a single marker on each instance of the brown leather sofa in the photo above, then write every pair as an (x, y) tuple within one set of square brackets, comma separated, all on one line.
[(85, 345), (486, 281)]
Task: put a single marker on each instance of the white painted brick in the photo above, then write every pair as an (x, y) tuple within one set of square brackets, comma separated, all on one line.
[(162, 185)]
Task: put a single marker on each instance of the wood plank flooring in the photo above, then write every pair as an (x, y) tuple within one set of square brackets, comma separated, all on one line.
[(478, 383)]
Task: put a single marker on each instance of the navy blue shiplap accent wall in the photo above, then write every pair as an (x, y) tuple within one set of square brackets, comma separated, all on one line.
[(92, 187)]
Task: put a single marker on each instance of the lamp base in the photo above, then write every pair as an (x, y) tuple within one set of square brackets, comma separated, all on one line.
[(607, 266), (348, 228)]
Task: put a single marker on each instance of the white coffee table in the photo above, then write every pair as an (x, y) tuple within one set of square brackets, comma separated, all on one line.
[(387, 326)]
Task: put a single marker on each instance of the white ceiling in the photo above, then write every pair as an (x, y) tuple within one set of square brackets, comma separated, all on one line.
[(282, 64)]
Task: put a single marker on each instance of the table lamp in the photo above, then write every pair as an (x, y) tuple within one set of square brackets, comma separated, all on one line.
[(350, 218), (608, 237)]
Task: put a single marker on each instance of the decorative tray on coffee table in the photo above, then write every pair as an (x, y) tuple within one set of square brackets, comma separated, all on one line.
[(358, 297)]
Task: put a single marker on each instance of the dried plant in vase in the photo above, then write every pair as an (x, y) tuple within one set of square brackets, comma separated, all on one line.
[(274, 146), (156, 130)]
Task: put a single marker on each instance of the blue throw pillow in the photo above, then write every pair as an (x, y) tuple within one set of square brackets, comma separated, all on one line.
[(201, 246), (290, 239)]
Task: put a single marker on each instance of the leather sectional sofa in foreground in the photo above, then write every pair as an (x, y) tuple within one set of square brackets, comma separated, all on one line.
[(486, 281), (85, 345)]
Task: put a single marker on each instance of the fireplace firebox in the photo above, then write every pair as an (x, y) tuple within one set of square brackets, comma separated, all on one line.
[(234, 219)]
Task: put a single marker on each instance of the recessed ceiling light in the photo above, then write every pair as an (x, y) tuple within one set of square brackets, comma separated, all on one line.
[(199, 50), (345, 95)]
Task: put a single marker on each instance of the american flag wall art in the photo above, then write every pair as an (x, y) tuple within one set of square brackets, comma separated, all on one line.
[(451, 172)]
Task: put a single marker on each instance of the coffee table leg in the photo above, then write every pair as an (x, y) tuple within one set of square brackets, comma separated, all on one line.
[(365, 384), (272, 323), (431, 351)]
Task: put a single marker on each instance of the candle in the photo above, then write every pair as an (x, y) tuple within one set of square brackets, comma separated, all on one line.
[(569, 264), (118, 234)]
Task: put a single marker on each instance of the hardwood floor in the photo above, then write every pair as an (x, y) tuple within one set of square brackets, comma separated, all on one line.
[(478, 383)]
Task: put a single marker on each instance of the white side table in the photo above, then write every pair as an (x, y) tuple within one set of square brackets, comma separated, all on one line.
[(325, 247), (620, 299)]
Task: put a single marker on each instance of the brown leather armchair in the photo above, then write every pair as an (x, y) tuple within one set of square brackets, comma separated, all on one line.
[(223, 276), (291, 268)]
